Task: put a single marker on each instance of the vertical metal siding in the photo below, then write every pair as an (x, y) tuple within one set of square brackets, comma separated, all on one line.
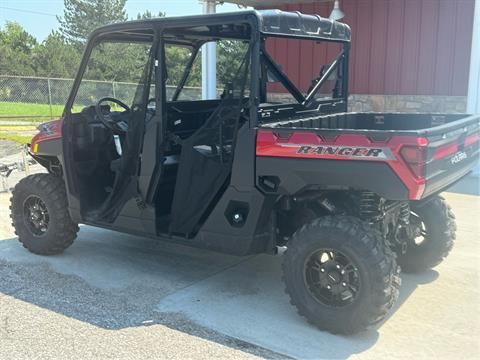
[(445, 47), (428, 49), (411, 48), (399, 47), (362, 47), (376, 70), (461, 58)]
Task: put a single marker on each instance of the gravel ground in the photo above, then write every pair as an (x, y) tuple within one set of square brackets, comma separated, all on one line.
[(13, 153), (8, 148)]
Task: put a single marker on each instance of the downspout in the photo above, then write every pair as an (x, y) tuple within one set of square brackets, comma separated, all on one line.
[(209, 59), (473, 97)]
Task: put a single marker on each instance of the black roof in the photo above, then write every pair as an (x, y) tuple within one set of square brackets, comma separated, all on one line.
[(270, 22), (303, 25)]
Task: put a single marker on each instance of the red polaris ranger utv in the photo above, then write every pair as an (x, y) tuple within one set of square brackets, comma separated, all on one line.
[(275, 161)]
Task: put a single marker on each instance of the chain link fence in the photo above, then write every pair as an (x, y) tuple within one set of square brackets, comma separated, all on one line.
[(51, 95)]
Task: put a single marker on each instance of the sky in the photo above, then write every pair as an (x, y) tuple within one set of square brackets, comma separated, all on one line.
[(38, 16)]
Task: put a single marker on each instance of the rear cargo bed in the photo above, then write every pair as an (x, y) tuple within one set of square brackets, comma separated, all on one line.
[(427, 152), (369, 121)]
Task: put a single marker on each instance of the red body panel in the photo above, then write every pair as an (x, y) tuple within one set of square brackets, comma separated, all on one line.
[(405, 155), (269, 144), (48, 131)]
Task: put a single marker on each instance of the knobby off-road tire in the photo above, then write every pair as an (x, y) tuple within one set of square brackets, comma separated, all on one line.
[(437, 235), (376, 274), (40, 217)]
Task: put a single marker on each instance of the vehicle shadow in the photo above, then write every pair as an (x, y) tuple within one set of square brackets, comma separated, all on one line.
[(410, 282), (115, 281)]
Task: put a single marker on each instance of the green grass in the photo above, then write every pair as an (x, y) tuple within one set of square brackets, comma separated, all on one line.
[(19, 133), (17, 127), (21, 139), (27, 110)]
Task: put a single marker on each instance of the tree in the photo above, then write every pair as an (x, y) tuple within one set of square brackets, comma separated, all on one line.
[(54, 57), (17, 38), (81, 17), (176, 60), (230, 55), (16, 48), (147, 14)]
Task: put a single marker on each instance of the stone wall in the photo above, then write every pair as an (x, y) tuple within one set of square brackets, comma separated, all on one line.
[(407, 103)]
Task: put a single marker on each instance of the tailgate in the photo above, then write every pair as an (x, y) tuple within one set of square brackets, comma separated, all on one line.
[(452, 152)]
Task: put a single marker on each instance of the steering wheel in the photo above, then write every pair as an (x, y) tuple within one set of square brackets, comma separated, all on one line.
[(107, 119)]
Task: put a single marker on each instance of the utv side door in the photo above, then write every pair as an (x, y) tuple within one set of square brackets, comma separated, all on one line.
[(206, 156), (101, 179)]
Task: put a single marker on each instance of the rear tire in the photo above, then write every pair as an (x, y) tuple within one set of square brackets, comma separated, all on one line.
[(40, 217), (436, 227), (351, 287)]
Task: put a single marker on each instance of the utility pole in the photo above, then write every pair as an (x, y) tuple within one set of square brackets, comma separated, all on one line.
[(209, 59)]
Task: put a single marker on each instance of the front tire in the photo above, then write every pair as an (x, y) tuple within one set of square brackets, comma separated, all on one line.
[(340, 274), (432, 237), (40, 217)]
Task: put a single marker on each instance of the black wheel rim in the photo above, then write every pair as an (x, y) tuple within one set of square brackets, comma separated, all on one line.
[(332, 278), (418, 230), (36, 215)]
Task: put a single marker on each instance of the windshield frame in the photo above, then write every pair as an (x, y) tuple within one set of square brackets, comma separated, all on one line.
[(94, 41)]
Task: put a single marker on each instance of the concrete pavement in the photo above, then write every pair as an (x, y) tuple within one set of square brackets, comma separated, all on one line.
[(120, 296)]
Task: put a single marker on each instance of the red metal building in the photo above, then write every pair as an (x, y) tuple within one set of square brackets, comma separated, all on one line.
[(417, 51)]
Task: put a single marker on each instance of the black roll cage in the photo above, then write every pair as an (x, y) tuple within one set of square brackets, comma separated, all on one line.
[(269, 63), (186, 73), (262, 24), (142, 161), (280, 75)]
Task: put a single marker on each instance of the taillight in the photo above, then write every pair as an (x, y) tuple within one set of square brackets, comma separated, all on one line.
[(416, 158)]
